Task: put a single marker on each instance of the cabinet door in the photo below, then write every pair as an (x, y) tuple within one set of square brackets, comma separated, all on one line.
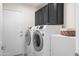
[(52, 14), (60, 12), (45, 14), (62, 46), (41, 18), (36, 18)]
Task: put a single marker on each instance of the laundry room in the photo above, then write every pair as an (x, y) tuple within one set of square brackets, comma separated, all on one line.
[(39, 29)]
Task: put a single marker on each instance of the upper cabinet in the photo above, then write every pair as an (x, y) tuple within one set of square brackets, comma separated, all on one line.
[(39, 18), (60, 13), (51, 14), (45, 14)]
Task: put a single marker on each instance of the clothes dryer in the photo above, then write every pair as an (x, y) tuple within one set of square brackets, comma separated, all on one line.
[(41, 39)]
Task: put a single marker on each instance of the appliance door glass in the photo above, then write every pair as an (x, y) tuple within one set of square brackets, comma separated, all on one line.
[(37, 41), (28, 37)]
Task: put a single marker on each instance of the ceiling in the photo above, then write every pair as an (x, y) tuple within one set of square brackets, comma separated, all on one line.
[(34, 5)]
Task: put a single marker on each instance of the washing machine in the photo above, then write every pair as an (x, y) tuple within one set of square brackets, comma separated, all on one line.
[(41, 39), (28, 42)]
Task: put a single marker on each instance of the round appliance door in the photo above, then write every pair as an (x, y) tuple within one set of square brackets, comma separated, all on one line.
[(28, 37), (37, 41)]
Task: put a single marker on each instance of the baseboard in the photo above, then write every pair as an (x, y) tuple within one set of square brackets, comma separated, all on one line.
[(25, 54), (19, 55), (76, 54)]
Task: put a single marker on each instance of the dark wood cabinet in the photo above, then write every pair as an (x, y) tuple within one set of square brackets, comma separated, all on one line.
[(36, 18), (51, 14), (60, 13), (45, 14), (39, 18)]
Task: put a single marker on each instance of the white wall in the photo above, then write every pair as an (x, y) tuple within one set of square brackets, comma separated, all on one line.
[(77, 27), (1, 28), (29, 12), (69, 15), (28, 17)]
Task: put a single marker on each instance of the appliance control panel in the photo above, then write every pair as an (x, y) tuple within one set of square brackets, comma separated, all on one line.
[(41, 27)]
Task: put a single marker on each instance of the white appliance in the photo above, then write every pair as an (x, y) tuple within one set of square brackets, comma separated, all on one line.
[(28, 42), (41, 39), (62, 45)]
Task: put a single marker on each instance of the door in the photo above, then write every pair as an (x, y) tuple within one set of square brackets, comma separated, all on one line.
[(1, 24), (37, 41), (13, 32), (28, 38)]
